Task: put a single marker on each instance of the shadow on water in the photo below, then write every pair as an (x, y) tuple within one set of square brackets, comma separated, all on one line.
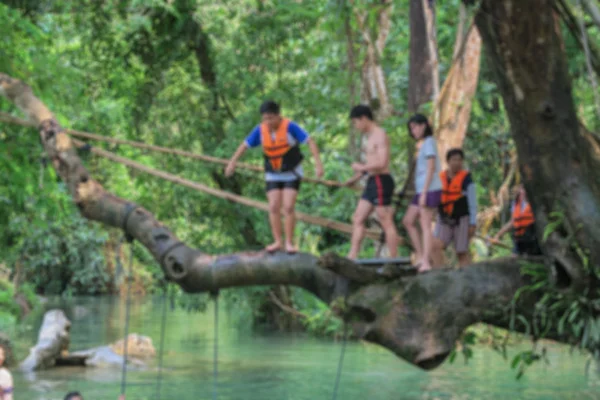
[(281, 367)]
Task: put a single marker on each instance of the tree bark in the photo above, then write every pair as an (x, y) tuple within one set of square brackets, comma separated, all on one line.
[(593, 11), (420, 84), (374, 88), (354, 138), (558, 162), (429, 13), (453, 108)]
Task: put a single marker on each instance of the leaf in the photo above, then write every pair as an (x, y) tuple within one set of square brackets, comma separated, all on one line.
[(515, 361), (452, 356), (525, 323)]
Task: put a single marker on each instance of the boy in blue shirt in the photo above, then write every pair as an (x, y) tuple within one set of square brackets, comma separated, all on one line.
[(281, 140)]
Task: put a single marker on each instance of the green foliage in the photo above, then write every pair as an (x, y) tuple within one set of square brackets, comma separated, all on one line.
[(556, 313), (63, 255), (467, 341)]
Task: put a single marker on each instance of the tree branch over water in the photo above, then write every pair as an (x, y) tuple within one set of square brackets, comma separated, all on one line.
[(418, 318)]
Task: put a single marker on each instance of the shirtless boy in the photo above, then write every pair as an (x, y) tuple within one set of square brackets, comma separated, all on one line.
[(379, 189)]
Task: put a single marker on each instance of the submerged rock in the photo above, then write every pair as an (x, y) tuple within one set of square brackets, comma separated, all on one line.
[(138, 348)]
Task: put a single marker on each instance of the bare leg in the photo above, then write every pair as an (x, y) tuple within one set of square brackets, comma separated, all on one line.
[(437, 256), (386, 219), (464, 259), (274, 197), (426, 219), (363, 209), (289, 204), (409, 221)]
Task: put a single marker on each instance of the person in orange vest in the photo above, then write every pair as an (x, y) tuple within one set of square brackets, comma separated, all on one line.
[(522, 223), (457, 215), (281, 140)]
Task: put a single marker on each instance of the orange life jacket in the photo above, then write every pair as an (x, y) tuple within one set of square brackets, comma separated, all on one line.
[(280, 156), (452, 191), (522, 219)]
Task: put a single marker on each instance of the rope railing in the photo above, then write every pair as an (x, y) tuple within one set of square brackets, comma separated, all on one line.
[(310, 219), (202, 157)]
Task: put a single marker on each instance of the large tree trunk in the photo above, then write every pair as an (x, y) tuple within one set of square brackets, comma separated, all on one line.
[(453, 108), (374, 88), (420, 84), (558, 162), (430, 29)]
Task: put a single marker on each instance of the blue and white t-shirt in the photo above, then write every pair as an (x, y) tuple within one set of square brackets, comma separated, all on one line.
[(296, 135)]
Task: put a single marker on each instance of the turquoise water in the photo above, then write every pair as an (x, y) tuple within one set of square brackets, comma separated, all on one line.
[(294, 367)]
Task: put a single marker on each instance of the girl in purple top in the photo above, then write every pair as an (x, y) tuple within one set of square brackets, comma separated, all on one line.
[(429, 191)]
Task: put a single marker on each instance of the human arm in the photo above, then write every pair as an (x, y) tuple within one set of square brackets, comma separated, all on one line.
[(302, 137), (314, 149), (504, 230), (430, 155), (472, 201), (252, 140), (354, 179), (428, 179), (230, 169)]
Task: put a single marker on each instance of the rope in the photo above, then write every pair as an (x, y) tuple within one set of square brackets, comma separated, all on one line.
[(162, 340), (216, 347), (300, 216), (340, 362), (127, 315), (310, 219), (210, 159)]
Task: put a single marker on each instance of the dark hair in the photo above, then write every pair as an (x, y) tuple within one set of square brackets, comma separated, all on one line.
[(420, 119), (455, 152), (72, 395), (360, 111), (269, 107)]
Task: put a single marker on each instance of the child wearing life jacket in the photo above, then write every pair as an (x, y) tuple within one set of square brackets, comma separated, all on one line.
[(429, 191), (522, 223), (457, 214), (280, 139)]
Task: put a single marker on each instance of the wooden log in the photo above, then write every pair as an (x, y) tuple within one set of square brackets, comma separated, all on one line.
[(53, 340)]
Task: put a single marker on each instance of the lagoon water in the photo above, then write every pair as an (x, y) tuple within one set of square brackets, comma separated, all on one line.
[(258, 366)]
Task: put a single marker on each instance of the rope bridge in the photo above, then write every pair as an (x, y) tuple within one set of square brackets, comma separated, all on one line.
[(202, 157), (304, 217)]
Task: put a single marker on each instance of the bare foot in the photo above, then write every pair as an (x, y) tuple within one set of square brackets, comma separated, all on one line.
[(290, 248), (415, 259), (425, 267), (273, 247)]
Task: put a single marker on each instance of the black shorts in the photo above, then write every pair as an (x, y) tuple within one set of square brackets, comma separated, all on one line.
[(527, 247), (280, 185), (379, 190)]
